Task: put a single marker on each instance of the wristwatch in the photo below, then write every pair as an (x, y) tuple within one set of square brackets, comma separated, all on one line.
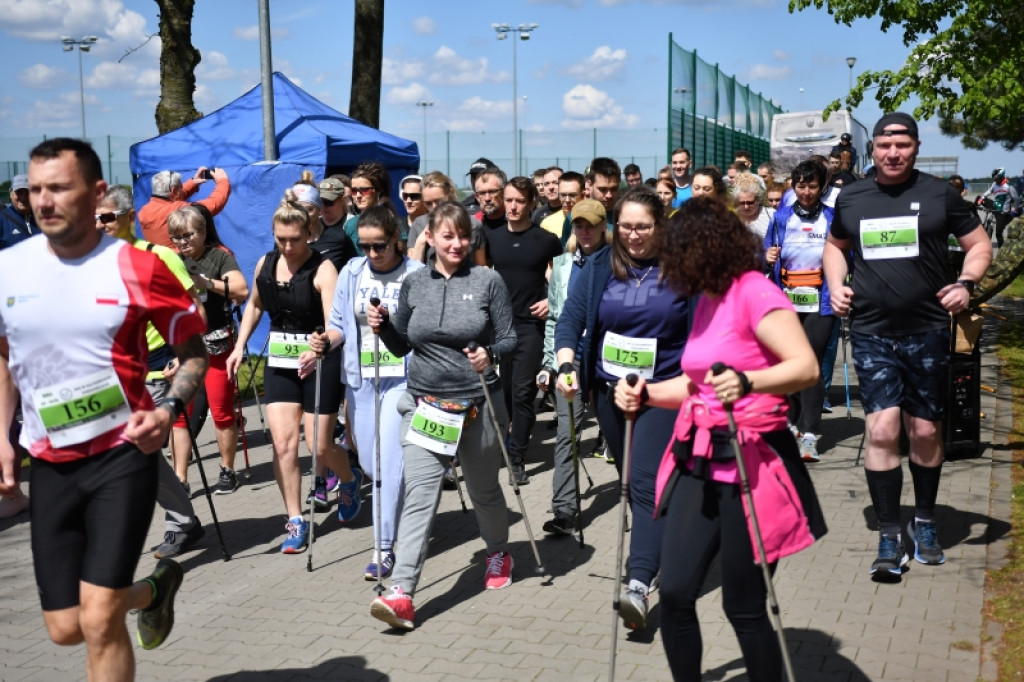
[(967, 284), (173, 405)]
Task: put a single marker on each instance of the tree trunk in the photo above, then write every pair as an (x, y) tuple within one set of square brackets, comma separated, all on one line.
[(367, 55), (178, 61)]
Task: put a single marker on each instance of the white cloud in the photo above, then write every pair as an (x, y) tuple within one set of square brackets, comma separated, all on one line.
[(477, 106), (780, 55), (43, 77), (767, 72), (252, 33), (215, 67), (406, 94), (111, 76), (398, 71), (424, 26), (451, 69), (604, 64), (587, 107)]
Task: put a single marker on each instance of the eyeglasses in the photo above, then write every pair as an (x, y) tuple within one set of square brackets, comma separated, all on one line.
[(376, 247), (641, 228), (184, 237), (362, 190), (412, 196), (747, 204), (488, 192), (107, 218)]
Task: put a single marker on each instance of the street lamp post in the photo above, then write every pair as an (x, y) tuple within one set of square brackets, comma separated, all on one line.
[(850, 61), (523, 31), (83, 45), (424, 104)]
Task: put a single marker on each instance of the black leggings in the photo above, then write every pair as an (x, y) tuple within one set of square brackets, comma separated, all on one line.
[(808, 401), (705, 518)]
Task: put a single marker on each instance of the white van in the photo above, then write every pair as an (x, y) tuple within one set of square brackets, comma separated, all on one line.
[(799, 134)]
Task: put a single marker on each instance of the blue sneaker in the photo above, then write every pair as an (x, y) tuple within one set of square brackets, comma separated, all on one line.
[(926, 543), (892, 557), (385, 564), (349, 503), (298, 534)]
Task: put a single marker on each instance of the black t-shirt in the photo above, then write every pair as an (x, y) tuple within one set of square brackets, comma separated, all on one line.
[(521, 258), (335, 245), (896, 296), (215, 262)]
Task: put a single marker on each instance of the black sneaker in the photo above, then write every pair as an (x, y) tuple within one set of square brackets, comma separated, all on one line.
[(562, 524), (925, 537), (449, 482), (177, 542), (228, 482), (517, 474), (892, 557), (154, 624)]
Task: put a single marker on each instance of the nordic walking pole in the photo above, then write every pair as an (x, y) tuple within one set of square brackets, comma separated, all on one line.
[(316, 447), (376, 455), (252, 383), (627, 446), (846, 368), (575, 461), (458, 484), (741, 466), (239, 417), (540, 570), (206, 488)]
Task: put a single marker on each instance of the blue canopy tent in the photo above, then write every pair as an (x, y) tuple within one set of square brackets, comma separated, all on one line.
[(310, 135)]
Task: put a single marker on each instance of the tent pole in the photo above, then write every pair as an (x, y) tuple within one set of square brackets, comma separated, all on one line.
[(267, 79)]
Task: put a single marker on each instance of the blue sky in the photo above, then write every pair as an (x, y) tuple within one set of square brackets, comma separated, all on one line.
[(590, 63)]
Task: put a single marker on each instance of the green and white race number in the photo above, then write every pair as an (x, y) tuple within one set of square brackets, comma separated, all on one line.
[(623, 355), (80, 409), (889, 237), (284, 349), (804, 299), (436, 430), (390, 365)]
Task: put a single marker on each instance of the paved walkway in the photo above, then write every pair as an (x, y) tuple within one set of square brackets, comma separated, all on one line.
[(262, 617)]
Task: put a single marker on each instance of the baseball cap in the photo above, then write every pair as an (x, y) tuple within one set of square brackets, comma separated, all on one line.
[(590, 210), (896, 118), (308, 194), (19, 181), (480, 165), (846, 137), (331, 188)]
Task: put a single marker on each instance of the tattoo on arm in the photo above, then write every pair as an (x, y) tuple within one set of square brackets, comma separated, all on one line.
[(193, 362)]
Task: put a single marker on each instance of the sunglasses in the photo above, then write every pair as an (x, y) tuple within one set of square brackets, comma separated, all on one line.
[(376, 247), (328, 202), (184, 237), (107, 218), (412, 196), (361, 190)]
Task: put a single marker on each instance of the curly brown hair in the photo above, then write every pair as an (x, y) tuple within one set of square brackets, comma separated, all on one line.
[(705, 247)]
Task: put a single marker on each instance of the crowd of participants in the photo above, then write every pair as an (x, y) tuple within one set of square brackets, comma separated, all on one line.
[(603, 292)]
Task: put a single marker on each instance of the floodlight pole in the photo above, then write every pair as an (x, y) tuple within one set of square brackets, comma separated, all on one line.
[(424, 104), (267, 85), (83, 45), (523, 32)]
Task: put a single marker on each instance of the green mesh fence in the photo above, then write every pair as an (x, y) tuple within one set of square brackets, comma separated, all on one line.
[(713, 115)]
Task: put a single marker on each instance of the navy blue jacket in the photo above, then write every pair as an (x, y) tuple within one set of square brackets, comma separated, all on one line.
[(13, 227)]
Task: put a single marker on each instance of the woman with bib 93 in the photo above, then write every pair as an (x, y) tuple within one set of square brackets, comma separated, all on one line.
[(290, 283), (442, 308)]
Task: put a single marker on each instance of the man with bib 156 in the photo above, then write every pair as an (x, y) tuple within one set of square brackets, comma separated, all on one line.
[(73, 314), (899, 303)]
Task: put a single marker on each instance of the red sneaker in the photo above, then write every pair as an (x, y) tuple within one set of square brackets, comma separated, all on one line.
[(395, 609), (499, 571)]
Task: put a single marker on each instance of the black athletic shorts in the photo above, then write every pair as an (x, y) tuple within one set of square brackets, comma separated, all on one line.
[(283, 385), (90, 518)]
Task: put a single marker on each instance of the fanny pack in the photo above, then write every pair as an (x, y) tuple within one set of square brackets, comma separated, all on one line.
[(468, 406), (801, 278), (218, 341)]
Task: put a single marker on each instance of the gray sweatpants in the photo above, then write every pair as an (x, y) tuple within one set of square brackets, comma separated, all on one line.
[(480, 459), (563, 479)]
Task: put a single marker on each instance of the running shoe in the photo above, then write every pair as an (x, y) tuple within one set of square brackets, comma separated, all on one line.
[(809, 448), (517, 475), (926, 543), (176, 542), (349, 503), (449, 482), (228, 482), (395, 609), (384, 564), (499, 571), (298, 534), (826, 406), (154, 623), (320, 494), (633, 609), (892, 557), (562, 524), (332, 481)]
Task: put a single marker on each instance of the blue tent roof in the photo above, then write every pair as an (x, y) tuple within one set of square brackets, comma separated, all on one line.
[(307, 130)]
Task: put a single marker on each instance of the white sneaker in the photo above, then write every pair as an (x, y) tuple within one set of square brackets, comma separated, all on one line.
[(809, 448)]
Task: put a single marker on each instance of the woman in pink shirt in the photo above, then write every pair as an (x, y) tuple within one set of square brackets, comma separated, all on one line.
[(742, 319)]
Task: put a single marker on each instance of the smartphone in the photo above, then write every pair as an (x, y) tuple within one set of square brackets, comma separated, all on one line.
[(207, 174)]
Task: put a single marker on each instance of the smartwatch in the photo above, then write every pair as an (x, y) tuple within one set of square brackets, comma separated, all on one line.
[(175, 406), (967, 284)]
